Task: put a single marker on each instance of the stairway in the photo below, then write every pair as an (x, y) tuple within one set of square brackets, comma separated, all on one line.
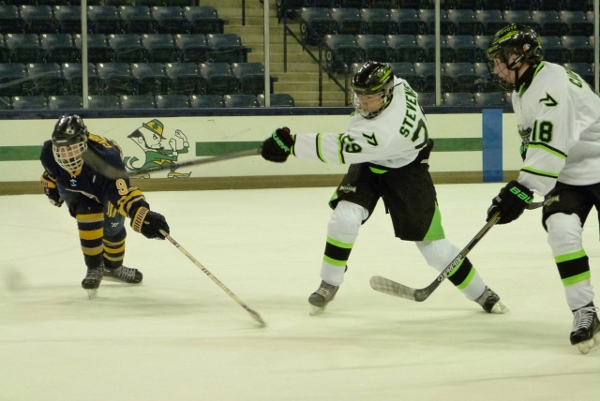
[(301, 80)]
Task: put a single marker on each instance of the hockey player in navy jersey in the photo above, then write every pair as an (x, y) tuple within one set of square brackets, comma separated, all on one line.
[(559, 122), (99, 204), (387, 148)]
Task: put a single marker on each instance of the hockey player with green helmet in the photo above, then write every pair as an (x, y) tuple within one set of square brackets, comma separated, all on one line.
[(387, 147), (559, 123)]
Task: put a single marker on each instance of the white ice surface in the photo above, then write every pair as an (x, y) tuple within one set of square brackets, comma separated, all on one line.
[(179, 337)]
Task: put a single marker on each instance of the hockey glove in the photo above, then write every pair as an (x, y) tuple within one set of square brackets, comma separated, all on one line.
[(512, 200), (50, 189), (278, 147), (149, 223)]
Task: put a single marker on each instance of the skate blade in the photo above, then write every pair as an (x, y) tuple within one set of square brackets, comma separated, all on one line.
[(92, 293), (316, 310), (499, 308)]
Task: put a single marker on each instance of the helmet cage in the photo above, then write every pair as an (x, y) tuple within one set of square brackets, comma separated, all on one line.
[(373, 87), (518, 40), (69, 141)]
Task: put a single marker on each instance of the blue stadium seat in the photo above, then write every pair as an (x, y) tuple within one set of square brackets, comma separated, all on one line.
[(463, 76), (65, 102), (160, 48), (227, 48), (172, 102), (426, 99), (277, 100), (46, 79), (465, 49), (204, 19), (467, 4), (126, 48), (426, 71), (150, 78), (116, 78), (496, 99), (406, 48), (427, 42), (185, 79), (129, 102), (315, 23), (550, 23), (13, 74), (24, 48), (378, 21), (169, 20), (10, 19), (192, 47), (447, 27), (38, 19), (73, 73), (555, 5), (553, 49), (375, 47), (206, 101), (240, 101), (584, 70), (349, 21), (523, 17), (219, 78), (459, 99), (406, 71), (5, 103), (577, 22), (98, 49), (68, 19), (492, 20), (408, 22), (341, 51), (59, 48), (580, 47), (485, 83), (136, 19), (103, 19), (104, 102), (30, 102), (251, 77), (466, 22), (522, 4)]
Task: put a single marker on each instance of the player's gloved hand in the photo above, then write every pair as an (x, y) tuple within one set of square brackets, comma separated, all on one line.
[(278, 147), (512, 200), (50, 189), (149, 223)]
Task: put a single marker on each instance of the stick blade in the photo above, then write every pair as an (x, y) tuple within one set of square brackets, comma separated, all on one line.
[(256, 317), (390, 287)]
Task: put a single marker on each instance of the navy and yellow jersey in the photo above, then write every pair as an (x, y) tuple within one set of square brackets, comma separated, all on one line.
[(117, 194)]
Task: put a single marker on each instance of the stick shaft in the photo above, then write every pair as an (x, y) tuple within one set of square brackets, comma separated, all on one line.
[(252, 313)]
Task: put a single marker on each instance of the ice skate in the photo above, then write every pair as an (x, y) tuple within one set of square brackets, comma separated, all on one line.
[(92, 280), (490, 302), (586, 328), (123, 274), (320, 298)]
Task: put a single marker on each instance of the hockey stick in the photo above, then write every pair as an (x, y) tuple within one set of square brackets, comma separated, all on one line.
[(252, 313), (390, 287), (99, 165)]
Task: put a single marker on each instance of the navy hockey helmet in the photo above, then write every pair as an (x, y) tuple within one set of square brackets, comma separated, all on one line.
[(373, 87), (518, 40), (69, 141)]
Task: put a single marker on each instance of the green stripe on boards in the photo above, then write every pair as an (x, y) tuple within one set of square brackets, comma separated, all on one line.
[(222, 148), (22, 153)]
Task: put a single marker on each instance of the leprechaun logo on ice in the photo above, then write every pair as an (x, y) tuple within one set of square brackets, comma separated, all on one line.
[(150, 137)]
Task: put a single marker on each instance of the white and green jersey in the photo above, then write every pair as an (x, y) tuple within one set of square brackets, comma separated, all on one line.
[(392, 139), (562, 115)]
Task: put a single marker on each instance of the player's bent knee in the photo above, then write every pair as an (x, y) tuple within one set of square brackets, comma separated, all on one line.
[(564, 233)]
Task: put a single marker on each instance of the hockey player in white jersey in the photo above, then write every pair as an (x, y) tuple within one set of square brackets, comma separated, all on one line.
[(559, 122), (387, 147)]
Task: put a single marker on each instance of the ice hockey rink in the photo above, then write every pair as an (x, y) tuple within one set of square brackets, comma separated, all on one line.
[(179, 337)]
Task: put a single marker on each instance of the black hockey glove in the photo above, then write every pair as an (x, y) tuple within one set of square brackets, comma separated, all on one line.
[(278, 147), (50, 189), (149, 223), (512, 200)]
